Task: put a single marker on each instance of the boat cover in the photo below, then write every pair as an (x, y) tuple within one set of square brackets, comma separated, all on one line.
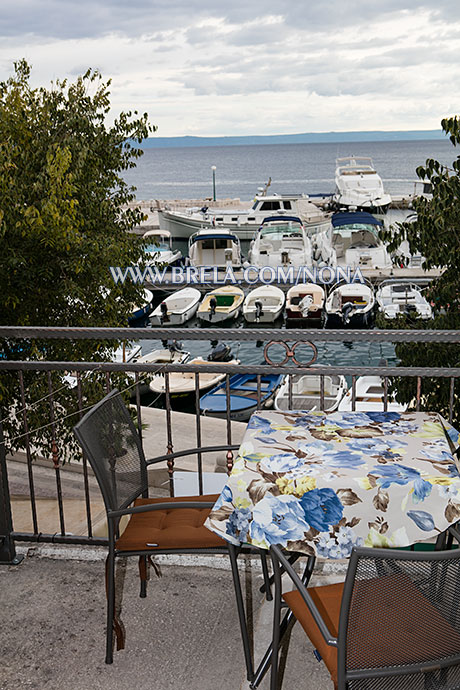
[(348, 218)]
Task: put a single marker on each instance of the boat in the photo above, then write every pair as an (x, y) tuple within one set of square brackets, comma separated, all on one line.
[(280, 241), (221, 304), (182, 384), (402, 299), (305, 302), (243, 221), (159, 250), (263, 304), (170, 353), (141, 311), (243, 396), (219, 248), (357, 185), (306, 392), (127, 352), (355, 239), (350, 305), (177, 308), (369, 397)]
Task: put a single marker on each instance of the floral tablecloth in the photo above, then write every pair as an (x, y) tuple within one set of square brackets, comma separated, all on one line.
[(322, 483)]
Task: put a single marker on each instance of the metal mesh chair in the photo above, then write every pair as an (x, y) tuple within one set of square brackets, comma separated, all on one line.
[(393, 625), (156, 525)]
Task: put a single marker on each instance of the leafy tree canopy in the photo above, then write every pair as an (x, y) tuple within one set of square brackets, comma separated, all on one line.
[(435, 234)]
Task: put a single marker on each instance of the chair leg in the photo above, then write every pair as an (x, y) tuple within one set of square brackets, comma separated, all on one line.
[(143, 574), (113, 624), (268, 590), (276, 625), (241, 612)]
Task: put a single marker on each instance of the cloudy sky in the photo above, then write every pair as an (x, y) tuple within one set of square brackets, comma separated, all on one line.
[(201, 67)]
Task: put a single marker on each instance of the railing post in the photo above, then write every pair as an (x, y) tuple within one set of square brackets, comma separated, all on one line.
[(7, 548)]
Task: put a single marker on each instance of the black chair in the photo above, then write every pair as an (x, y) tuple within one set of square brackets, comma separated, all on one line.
[(156, 525), (393, 625)]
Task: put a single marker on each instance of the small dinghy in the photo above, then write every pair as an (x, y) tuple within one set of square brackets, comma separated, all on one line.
[(144, 309), (306, 392), (177, 308), (369, 397), (170, 353), (305, 302), (182, 384), (405, 299), (350, 305), (264, 304), (221, 304), (243, 396)]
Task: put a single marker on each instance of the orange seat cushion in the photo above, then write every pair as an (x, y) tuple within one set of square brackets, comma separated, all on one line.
[(391, 623), (170, 528)]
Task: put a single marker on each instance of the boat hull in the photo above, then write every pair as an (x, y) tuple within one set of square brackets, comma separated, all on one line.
[(174, 319), (360, 320)]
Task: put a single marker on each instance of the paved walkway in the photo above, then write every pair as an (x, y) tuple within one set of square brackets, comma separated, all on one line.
[(183, 636)]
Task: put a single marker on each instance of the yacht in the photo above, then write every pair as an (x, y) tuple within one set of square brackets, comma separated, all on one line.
[(281, 241), (244, 221), (401, 298), (213, 247), (159, 250), (358, 185), (355, 239)]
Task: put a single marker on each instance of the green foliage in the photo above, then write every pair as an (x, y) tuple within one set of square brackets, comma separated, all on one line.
[(63, 220), (436, 235)]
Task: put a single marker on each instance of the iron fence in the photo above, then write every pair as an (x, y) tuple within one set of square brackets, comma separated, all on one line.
[(276, 340)]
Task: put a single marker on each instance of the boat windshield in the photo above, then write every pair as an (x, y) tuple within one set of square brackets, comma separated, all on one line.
[(282, 229), (160, 247), (348, 230)]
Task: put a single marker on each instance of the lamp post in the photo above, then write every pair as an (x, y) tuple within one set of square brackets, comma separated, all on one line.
[(213, 168)]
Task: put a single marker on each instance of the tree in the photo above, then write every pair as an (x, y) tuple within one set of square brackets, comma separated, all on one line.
[(436, 235), (63, 219)]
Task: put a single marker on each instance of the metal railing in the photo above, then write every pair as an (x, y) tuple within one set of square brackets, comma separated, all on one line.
[(289, 363)]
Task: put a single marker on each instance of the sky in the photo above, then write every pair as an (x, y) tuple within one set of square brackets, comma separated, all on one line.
[(210, 68)]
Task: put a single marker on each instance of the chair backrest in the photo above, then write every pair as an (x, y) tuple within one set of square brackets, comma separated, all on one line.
[(109, 438), (400, 610)]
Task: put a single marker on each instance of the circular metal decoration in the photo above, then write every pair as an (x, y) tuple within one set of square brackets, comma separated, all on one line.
[(290, 353)]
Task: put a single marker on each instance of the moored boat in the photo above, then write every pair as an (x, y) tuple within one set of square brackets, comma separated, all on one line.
[(142, 310), (159, 250), (370, 397), (221, 304), (306, 392), (214, 247), (350, 305), (356, 241), (402, 299), (305, 302), (358, 185), (281, 241), (243, 396), (171, 354), (263, 304), (177, 308)]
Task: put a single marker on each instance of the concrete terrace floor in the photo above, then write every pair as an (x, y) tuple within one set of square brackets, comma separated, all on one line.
[(185, 635)]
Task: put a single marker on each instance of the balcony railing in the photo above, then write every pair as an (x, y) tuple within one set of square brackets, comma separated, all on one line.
[(276, 341)]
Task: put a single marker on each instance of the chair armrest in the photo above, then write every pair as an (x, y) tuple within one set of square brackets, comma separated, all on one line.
[(159, 506), (329, 638)]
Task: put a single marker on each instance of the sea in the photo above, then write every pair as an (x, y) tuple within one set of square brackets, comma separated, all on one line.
[(186, 173)]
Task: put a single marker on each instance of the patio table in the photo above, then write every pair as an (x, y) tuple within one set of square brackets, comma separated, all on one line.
[(320, 483)]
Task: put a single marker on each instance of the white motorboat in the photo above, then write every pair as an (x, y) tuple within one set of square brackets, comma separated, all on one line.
[(182, 384), (350, 305), (305, 302), (172, 354), (142, 310), (159, 250), (177, 308), (264, 304), (213, 247), (370, 397), (281, 241), (221, 304), (126, 352), (306, 392), (358, 185), (406, 299), (243, 221), (356, 241)]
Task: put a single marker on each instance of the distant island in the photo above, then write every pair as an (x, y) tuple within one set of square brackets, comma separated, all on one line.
[(310, 138)]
